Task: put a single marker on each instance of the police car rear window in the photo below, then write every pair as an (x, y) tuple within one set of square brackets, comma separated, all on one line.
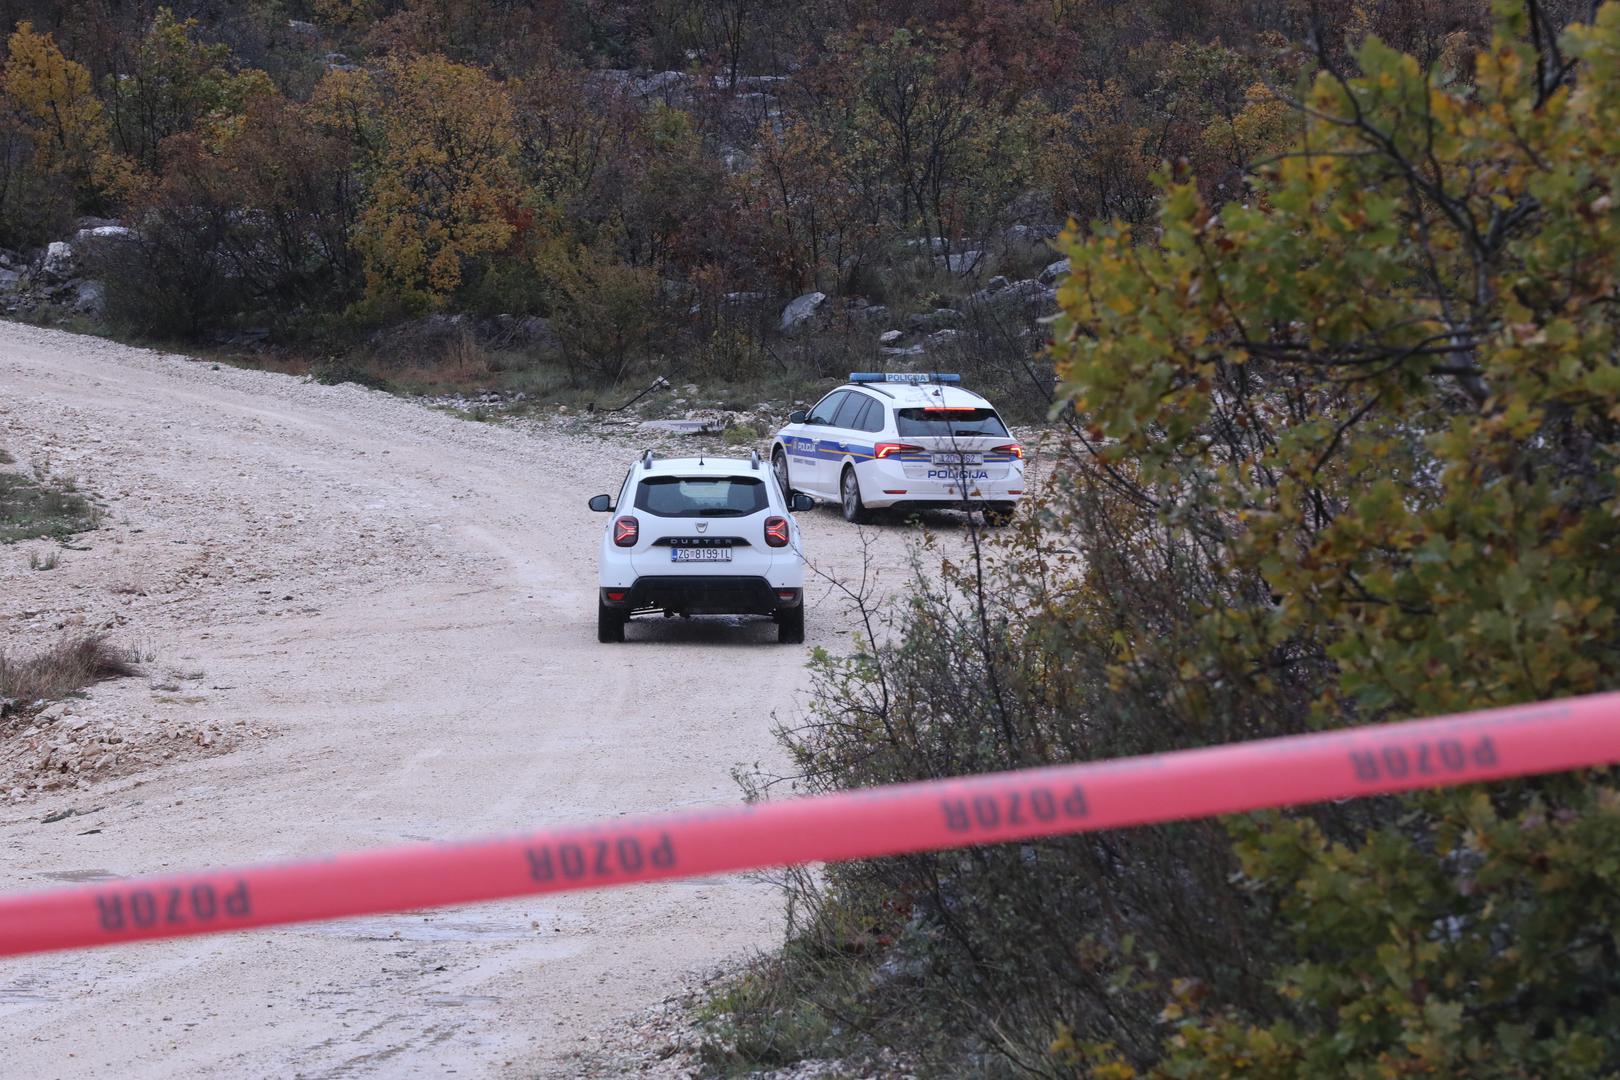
[(964, 423), (701, 496)]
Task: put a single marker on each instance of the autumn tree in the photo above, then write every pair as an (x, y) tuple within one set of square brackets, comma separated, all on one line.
[(443, 181), (800, 205), (251, 218), (174, 81), (51, 96), (602, 308)]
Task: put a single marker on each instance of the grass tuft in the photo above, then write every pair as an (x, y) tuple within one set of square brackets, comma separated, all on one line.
[(70, 665), (36, 506)]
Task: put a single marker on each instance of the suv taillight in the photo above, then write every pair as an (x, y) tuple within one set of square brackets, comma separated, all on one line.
[(1011, 448), (626, 531), (889, 449), (776, 532)]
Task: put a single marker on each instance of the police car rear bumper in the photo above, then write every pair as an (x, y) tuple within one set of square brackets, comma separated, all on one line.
[(706, 594)]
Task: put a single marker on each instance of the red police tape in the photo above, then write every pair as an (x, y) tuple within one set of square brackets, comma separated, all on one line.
[(925, 816)]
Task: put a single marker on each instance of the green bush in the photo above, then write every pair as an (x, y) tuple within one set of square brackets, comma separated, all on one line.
[(1347, 454)]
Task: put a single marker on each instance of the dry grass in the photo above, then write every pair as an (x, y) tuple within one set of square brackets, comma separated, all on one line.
[(69, 665)]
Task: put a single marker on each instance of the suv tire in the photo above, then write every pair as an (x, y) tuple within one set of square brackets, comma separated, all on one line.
[(609, 624), (849, 490), (790, 626)]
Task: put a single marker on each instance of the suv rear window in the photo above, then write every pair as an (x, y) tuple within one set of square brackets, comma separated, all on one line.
[(948, 422), (701, 496)]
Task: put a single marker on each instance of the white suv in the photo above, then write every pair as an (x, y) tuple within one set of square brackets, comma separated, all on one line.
[(696, 536), (902, 440)]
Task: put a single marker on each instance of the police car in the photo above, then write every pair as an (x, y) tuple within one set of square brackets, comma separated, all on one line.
[(917, 441), (701, 536)]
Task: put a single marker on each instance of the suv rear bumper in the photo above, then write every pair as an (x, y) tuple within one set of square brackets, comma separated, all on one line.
[(705, 594)]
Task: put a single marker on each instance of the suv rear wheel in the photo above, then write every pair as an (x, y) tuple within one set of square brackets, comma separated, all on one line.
[(850, 490), (609, 624), (790, 626)]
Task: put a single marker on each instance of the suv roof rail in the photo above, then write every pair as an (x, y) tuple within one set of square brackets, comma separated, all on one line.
[(646, 459), (753, 460)]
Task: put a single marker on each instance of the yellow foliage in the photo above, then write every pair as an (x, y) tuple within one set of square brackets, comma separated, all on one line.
[(54, 101), (445, 181)]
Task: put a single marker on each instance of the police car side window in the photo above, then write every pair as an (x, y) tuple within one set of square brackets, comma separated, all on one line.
[(823, 412), (871, 418), (853, 403)]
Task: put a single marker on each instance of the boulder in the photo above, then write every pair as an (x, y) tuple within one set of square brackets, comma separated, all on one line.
[(1020, 293), (1054, 271), (662, 82), (10, 280), (961, 262), (90, 298), (103, 232), (57, 263), (889, 337), (1028, 234), (935, 320), (801, 310), (521, 331)]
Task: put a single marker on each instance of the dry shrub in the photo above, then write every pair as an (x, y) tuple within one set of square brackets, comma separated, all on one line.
[(71, 664)]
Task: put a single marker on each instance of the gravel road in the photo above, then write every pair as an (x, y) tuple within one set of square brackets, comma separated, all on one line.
[(367, 622)]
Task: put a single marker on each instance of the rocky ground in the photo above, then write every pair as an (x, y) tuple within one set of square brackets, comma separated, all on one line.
[(361, 621)]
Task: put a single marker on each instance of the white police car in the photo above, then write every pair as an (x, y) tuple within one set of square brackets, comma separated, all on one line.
[(917, 441), (701, 536)]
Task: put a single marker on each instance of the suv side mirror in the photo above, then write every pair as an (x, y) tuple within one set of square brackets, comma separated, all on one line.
[(796, 416), (801, 502), (601, 503)]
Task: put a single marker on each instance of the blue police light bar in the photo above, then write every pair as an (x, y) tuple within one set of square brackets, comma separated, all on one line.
[(902, 377)]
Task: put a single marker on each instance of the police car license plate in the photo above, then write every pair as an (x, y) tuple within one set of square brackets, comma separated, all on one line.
[(958, 459), (699, 554)]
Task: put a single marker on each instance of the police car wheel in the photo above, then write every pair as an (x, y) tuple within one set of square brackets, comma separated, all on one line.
[(850, 488), (609, 624), (790, 626), (780, 466)]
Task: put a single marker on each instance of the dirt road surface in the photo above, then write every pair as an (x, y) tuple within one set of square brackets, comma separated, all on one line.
[(368, 622)]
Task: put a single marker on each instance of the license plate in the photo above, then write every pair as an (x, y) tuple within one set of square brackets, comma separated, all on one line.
[(958, 459), (699, 554)]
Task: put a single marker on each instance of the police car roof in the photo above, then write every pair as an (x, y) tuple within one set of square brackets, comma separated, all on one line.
[(704, 466), (923, 395)]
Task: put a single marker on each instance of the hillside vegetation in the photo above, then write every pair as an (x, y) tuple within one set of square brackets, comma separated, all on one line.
[(1345, 454), (572, 192)]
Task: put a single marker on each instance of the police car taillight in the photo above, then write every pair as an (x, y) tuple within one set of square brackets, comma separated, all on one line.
[(776, 532), (889, 449), (626, 531), (1011, 448)]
